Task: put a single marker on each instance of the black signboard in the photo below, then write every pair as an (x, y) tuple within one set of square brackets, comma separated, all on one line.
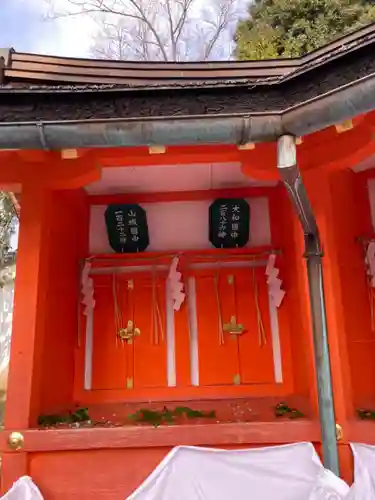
[(127, 228), (229, 223)]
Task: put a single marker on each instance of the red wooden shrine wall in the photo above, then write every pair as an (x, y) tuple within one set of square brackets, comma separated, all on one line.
[(53, 365), (237, 366)]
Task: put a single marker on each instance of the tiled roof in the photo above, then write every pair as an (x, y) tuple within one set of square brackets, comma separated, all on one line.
[(22, 73)]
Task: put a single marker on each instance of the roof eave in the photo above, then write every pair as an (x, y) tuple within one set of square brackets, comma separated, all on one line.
[(312, 115)]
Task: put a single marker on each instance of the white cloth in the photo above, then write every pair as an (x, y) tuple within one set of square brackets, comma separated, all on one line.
[(290, 472), (23, 489), (364, 473)]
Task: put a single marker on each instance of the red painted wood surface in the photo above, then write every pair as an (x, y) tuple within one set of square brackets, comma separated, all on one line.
[(29, 310), (212, 255), (244, 356), (342, 213), (13, 466), (256, 358), (146, 436), (141, 362), (45, 335), (298, 347), (111, 463), (244, 360), (109, 356), (149, 349), (93, 475), (218, 364)]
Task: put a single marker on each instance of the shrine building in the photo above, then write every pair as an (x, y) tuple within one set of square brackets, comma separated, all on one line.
[(196, 261)]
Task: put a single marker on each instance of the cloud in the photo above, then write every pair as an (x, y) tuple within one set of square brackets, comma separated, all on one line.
[(23, 26)]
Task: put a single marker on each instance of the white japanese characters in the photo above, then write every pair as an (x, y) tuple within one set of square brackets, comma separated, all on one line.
[(120, 226), (229, 223), (133, 225)]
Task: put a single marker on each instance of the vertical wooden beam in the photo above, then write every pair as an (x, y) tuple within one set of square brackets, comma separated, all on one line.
[(13, 466), (298, 353), (331, 206), (29, 311)]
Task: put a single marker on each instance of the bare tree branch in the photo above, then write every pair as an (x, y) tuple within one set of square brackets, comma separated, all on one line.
[(157, 29), (223, 20)]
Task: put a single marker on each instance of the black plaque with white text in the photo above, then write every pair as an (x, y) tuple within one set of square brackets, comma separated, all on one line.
[(229, 221), (127, 228)]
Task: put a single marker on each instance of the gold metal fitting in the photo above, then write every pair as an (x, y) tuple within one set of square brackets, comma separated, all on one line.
[(69, 154), (233, 327), (344, 126), (157, 150), (248, 146), (339, 432), (16, 441), (129, 332)]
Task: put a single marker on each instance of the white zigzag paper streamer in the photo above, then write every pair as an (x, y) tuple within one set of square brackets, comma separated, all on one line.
[(370, 262), (277, 294), (87, 289), (176, 287)]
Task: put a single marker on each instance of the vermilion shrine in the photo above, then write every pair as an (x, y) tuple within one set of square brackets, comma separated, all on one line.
[(175, 221)]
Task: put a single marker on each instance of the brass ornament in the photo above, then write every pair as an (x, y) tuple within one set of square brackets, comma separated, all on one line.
[(339, 433), (127, 334), (233, 327), (16, 441)]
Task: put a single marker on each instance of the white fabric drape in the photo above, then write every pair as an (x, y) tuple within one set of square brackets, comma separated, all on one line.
[(23, 489), (364, 473), (290, 472)]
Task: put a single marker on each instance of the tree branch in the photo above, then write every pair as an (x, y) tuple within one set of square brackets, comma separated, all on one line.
[(160, 29)]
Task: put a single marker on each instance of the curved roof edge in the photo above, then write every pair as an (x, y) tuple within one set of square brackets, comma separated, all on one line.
[(28, 71)]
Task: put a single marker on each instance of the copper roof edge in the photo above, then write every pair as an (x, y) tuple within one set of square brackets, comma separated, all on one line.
[(61, 71), (308, 117), (350, 37)]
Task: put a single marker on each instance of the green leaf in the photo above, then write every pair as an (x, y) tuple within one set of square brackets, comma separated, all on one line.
[(366, 414), (291, 28)]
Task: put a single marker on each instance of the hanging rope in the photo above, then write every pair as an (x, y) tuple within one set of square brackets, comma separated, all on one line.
[(117, 312), (220, 317), (157, 329), (371, 295), (154, 334), (371, 302), (262, 339), (159, 317)]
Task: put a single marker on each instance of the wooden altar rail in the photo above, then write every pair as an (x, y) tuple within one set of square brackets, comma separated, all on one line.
[(254, 433), (153, 444), (360, 432), (230, 434)]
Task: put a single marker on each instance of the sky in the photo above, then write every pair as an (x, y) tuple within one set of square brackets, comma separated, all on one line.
[(23, 26)]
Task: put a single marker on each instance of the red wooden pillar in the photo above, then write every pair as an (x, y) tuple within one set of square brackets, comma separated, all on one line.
[(52, 239), (30, 307), (287, 235), (28, 322), (339, 218)]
